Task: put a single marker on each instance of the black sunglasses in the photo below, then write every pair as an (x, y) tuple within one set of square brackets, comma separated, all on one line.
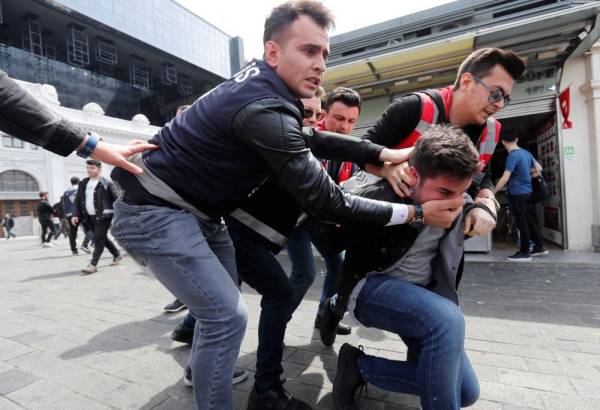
[(495, 95), (309, 112)]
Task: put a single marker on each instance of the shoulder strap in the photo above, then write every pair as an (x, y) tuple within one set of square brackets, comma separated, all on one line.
[(429, 117)]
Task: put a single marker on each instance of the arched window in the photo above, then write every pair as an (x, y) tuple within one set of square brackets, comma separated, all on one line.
[(11, 181)]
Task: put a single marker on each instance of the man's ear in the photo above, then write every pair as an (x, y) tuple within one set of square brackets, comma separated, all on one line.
[(465, 80), (271, 54), (412, 171)]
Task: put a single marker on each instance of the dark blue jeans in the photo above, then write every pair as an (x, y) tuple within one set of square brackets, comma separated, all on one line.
[(304, 268), (259, 268), (433, 328)]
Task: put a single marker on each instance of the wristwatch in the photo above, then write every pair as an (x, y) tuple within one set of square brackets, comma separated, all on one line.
[(419, 218), (90, 145)]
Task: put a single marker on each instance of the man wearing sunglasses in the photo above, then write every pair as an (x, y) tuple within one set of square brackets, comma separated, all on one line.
[(482, 88)]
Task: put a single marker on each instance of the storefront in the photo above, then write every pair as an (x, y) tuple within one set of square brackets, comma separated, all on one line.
[(555, 39)]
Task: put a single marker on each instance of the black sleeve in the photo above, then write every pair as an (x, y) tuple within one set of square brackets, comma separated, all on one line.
[(487, 182), (24, 117), (78, 198), (397, 122), (114, 191), (338, 147), (270, 128)]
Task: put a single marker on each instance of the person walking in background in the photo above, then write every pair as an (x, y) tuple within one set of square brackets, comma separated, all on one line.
[(68, 204), (45, 212), (517, 174), (8, 223), (94, 203)]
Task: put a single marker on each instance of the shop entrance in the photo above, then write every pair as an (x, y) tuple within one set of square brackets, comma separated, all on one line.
[(538, 134)]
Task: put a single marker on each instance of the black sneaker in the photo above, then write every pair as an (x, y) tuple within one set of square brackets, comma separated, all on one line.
[(348, 378), (275, 399), (539, 251), (85, 249), (520, 257), (239, 375), (328, 324), (174, 306), (341, 329), (187, 377), (183, 334)]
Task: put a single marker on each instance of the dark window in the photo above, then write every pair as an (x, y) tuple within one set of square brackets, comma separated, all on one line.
[(17, 181), (12, 142)]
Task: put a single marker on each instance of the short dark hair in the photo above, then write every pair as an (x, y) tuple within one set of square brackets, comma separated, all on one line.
[(481, 61), (94, 163), (346, 96), (445, 150), (42, 194), (74, 180), (509, 136), (285, 14)]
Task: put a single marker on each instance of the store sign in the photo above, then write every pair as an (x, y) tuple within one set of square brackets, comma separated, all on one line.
[(535, 84), (565, 107)]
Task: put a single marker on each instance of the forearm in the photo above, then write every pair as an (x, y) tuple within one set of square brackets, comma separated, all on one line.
[(501, 184), (23, 116), (338, 147)]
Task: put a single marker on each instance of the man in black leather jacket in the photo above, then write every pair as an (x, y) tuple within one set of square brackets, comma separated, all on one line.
[(210, 159)]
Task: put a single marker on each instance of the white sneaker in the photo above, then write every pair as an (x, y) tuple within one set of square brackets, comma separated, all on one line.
[(47, 245)]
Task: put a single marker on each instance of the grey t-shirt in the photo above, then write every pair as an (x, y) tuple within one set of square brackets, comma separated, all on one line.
[(415, 265)]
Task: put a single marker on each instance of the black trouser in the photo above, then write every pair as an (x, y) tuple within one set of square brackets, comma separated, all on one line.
[(258, 267), (47, 225), (100, 228), (73, 234), (526, 219)]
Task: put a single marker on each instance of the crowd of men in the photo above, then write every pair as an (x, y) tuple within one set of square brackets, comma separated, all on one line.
[(234, 178)]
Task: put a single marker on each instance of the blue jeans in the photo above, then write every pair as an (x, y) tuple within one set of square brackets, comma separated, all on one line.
[(433, 328), (304, 268), (195, 261)]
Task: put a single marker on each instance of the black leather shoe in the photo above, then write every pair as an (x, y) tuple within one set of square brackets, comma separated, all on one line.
[(183, 334), (275, 399), (348, 378), (341, 329), (328, 324)]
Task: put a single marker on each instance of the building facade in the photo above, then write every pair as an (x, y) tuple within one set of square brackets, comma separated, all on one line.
[(134, 56), (26, 169), (557, 38)]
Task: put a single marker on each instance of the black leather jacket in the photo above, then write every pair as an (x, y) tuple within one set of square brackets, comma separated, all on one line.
[(105, 194), (218, 151), (24, 117)]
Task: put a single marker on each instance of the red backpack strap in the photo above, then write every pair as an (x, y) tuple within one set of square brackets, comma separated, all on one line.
[(488, 141), (429, 117)]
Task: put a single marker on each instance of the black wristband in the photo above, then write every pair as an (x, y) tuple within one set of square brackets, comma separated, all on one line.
[(485, 208)]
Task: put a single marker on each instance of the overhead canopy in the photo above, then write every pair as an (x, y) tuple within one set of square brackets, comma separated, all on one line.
[(543, 40), (395, 68)]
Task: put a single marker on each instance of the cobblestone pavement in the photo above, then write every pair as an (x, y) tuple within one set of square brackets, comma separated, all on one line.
[(102, 341)]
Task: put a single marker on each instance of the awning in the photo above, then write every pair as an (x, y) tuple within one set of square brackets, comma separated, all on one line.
[(399, 67)]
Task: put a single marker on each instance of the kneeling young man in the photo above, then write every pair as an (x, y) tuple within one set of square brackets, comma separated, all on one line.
[(408, 285)]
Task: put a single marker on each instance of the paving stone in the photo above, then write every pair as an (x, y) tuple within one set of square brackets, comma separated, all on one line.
[(6, 404), (102, 341), (39, 395), (14, 379), (10, 349)]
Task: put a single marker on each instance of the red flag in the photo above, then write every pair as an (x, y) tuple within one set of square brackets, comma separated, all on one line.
[(565, 107)]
